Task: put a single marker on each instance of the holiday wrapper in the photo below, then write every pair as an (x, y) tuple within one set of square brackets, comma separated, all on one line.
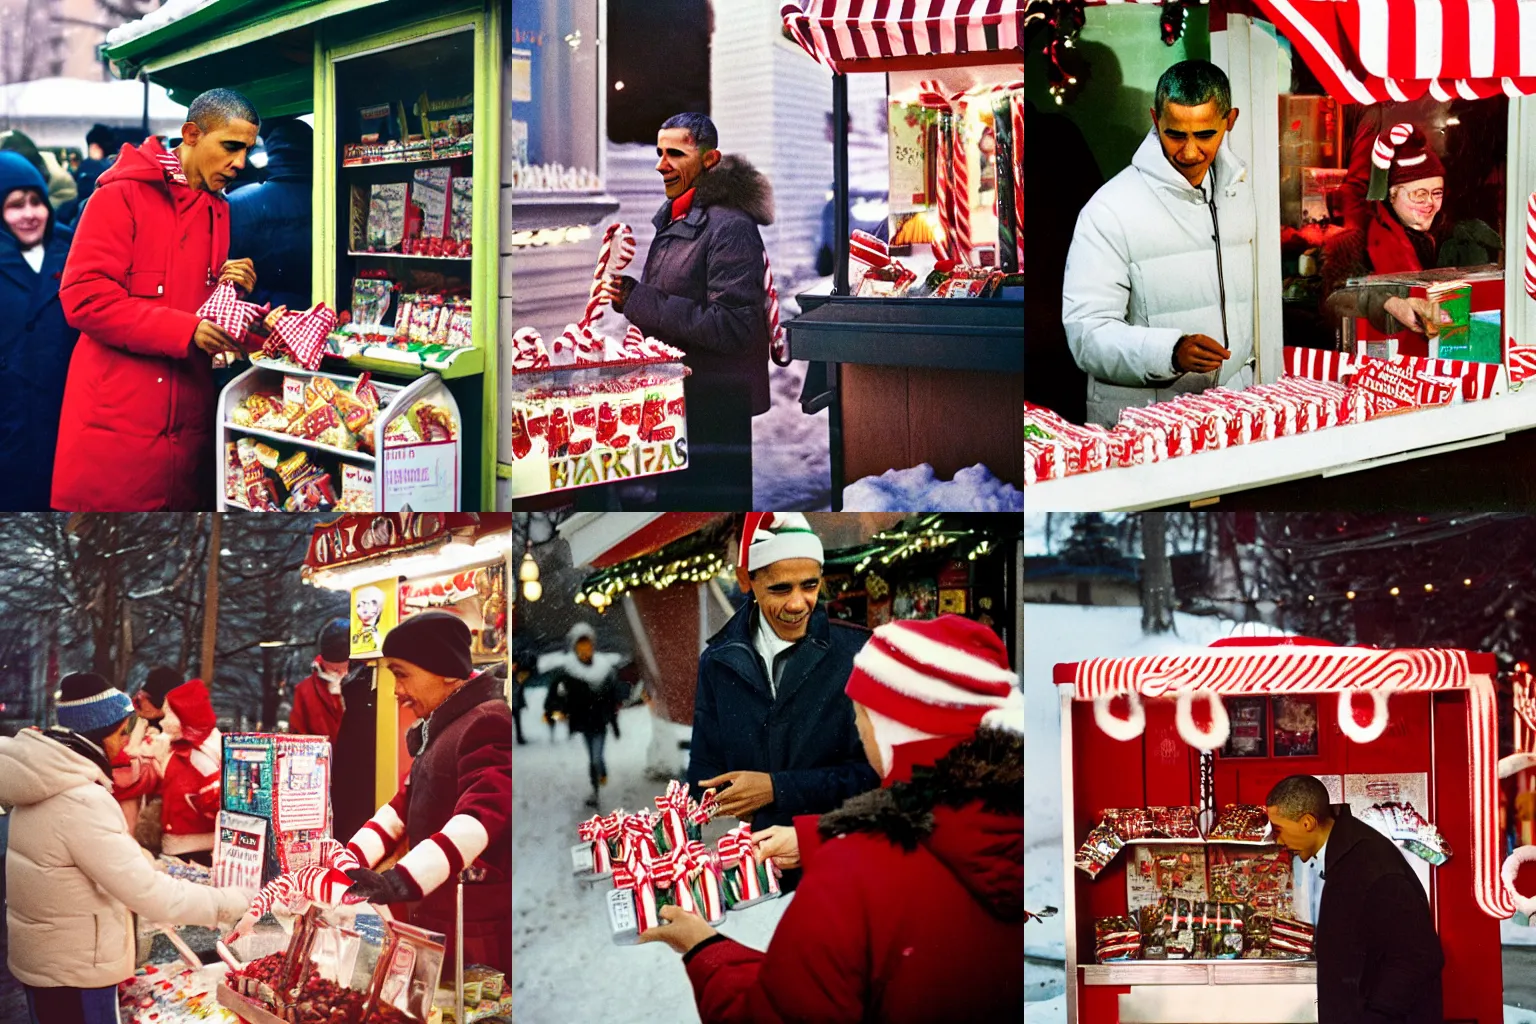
[(702, 871), (592, 831), (672, 809), (638, 877), (637, 838), (747, 880)]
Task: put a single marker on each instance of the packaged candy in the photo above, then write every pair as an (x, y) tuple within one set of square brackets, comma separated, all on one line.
[(370, 299), (1244, 823), (1259, 877), (1116, 938), (291, 470), (1288, 937), (1098, 850), (356, 489)]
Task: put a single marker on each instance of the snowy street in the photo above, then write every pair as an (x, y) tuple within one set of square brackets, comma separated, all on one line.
[(567, 966)]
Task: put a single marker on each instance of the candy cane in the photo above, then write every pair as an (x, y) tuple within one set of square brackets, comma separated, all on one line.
[(528, 352), (1530, 246), (1018, 172), (1115, 727), (777, 346), (617, 250), (1353, 729), (931, 96), (960, 186), (1213, 738)]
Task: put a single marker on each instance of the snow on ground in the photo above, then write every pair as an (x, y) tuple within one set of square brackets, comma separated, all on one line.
[(791, 466), (1515, 1015), (1512, 934), (1046, 1011), (565, 965), (974, 489), (1064, 633)]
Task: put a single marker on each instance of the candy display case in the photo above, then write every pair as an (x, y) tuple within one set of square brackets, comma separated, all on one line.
[(1179, 907), (289, 436), (926, 327)]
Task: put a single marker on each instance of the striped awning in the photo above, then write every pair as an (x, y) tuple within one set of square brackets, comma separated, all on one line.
[(1374, 51), (864, 35)]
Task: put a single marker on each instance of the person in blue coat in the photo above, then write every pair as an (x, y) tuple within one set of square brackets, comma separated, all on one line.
[(773, 731), (35, 340), (269, 223)]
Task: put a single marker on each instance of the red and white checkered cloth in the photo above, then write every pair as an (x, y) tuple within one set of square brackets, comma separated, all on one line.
[(226, 309), (303, 335)]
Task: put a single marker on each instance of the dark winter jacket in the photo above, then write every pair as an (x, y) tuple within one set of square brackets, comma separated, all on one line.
[(35, 346), (702, 291), (587, 694), (1378, 957), (912, 911), (804, 736), (463, 770), (269, 223), (352, 800), (137, 427)]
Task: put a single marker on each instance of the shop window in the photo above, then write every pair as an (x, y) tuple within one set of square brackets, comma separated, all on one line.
[(658, 64), (553, 87), (1435, 238), (1278, 726)]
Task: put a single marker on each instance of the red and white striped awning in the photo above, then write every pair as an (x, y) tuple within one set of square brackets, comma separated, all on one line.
[(1270, 666), (1373, 51), (869, 35)]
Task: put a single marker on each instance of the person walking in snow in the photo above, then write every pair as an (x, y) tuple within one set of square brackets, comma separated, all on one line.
[(941, 717), (74, 875), (584, 686), (455, 807)]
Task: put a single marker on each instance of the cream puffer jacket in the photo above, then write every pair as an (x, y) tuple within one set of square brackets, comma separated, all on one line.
[(1143, 271), (73, 872)]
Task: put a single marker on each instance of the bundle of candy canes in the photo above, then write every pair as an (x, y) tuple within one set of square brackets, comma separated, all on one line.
[(580, 347), (324, 882), (1222, 418)]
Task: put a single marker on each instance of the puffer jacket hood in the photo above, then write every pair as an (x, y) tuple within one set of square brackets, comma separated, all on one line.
[(137, 163), (34, 768), (734, 182), (966, 809)]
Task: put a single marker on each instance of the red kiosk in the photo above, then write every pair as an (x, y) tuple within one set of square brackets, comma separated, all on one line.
[(1279, 708)]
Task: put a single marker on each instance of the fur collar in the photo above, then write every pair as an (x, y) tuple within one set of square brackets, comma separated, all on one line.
[(595, 674), (736, 183), (988, 768)]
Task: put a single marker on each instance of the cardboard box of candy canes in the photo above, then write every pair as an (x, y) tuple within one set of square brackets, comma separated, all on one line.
[(1320, 389), (592, 410)]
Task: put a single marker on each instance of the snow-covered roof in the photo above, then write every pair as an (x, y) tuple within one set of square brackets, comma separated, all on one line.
[(172, 11), (74, 98)]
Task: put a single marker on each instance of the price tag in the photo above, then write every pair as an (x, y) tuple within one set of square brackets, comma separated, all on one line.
[(622, 917), (581, 858)]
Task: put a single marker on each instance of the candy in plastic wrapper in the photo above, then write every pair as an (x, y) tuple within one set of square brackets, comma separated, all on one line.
[(1098, 850), (1116, 938), (1245, 823)]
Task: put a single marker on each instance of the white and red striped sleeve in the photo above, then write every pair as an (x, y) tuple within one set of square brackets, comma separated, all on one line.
[(381, 834), (444, 854)]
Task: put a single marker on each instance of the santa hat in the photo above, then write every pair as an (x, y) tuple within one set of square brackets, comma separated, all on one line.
[(770, 537), (1401, 154), (193, 710), (942, 677)]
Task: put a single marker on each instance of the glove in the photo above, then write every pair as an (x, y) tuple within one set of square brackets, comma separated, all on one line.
[(372, 887)]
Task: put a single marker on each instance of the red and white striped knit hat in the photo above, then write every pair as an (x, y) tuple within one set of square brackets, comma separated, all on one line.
[(770, 537), (941, 677)]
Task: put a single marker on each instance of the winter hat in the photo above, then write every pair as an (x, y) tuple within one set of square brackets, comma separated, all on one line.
[(193, 710), (16, 171), (1401, 154), (770, 537), (162, 679), (91, 706), (437, 641), (942, 677), (336, 641), (102, 136), (580, 631)]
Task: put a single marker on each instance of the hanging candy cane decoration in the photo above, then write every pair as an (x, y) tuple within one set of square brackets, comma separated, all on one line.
[(960, 184), (1351, 727), (1212, 738), (1018, 172), (617, 250), (1530, 246), (1115, 727), (778, 346), (1511, 870), (930, 96)]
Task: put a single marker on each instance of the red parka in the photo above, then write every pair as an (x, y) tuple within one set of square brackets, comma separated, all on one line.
[(191, 786), (877, 932), (136, 433), (316, 710)]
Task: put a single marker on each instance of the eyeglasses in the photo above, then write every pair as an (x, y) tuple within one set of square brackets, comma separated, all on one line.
[(1424, 195)]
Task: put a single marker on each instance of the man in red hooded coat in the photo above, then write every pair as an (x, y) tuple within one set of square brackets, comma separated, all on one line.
[(191, 785), (136, 432), (911, 910)]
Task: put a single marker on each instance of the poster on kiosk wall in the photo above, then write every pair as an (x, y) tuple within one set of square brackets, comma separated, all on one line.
[(375, 610)]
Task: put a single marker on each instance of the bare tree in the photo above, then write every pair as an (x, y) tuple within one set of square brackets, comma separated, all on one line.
[(1156, 575)]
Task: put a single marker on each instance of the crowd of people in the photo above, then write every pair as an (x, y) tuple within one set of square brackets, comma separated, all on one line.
[(120, 780), (106, 373)]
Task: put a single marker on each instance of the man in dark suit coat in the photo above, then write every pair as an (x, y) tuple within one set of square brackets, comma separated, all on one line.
[(1378, 956)]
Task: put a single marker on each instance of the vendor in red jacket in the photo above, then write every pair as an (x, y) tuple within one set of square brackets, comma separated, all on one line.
[(456, 805), (191, 786), (911, 910), (136, 433), (317, 703)]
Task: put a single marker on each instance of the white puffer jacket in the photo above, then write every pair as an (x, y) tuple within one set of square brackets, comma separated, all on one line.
[(73, 873), (1142, 272)]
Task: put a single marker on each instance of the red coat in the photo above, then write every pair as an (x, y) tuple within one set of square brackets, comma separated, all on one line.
[(136, 433), (316, 710), (191, 785), (877, 933)]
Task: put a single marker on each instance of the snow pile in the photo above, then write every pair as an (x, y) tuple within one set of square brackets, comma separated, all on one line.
[(974, 489), (172, 11), (791, 468), (567, 966)]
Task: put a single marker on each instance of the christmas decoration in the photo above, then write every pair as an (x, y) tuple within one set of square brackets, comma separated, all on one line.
[(1115, 727), (1059, 22), (1351, 725), (617, 250), (1214, 736), (1512, 864)]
